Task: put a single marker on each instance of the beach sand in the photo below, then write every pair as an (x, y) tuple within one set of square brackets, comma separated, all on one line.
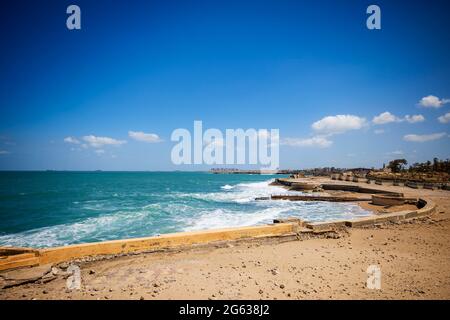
[(414, 258)]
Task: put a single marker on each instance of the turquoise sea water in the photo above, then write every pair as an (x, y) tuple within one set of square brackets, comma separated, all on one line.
[(44, 209)]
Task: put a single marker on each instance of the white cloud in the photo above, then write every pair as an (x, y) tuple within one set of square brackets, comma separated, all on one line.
[(144, 137), (3, 152), (338, 124), (320, 142), (385, 117), (445, 118), (99, 151), (71, 140), (327, 127), (424, 137), (432, 102), (378, 131), (98, 142), (415, 118)]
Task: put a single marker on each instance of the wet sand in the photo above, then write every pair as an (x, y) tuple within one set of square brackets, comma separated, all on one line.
[(414, 258)]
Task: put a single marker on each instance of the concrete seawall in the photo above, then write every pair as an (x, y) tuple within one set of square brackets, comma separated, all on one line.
[(31, 257), (11, 258)]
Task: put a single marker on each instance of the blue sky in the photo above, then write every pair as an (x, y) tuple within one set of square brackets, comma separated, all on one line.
[(155, 66)]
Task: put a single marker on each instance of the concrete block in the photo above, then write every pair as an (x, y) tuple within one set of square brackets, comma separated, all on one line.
[(319, 226), (365, 221), (391, 217), (6, 264), (383, 200), (414, 185), (297, 221)]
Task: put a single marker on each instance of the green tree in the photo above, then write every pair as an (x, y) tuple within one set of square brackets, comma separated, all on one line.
[(397, 165)]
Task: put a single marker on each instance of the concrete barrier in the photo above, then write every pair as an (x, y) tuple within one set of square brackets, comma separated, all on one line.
[(414, 185), (18, 260), (376, 219), (358, 189), (383, 200), (316, 198), (360, 222), (300, 186), (8, 251), (321, 226), (54, 255), (430, 186), (428, 208)]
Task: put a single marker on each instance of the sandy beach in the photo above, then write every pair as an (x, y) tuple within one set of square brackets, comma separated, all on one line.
[(414, 257)]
